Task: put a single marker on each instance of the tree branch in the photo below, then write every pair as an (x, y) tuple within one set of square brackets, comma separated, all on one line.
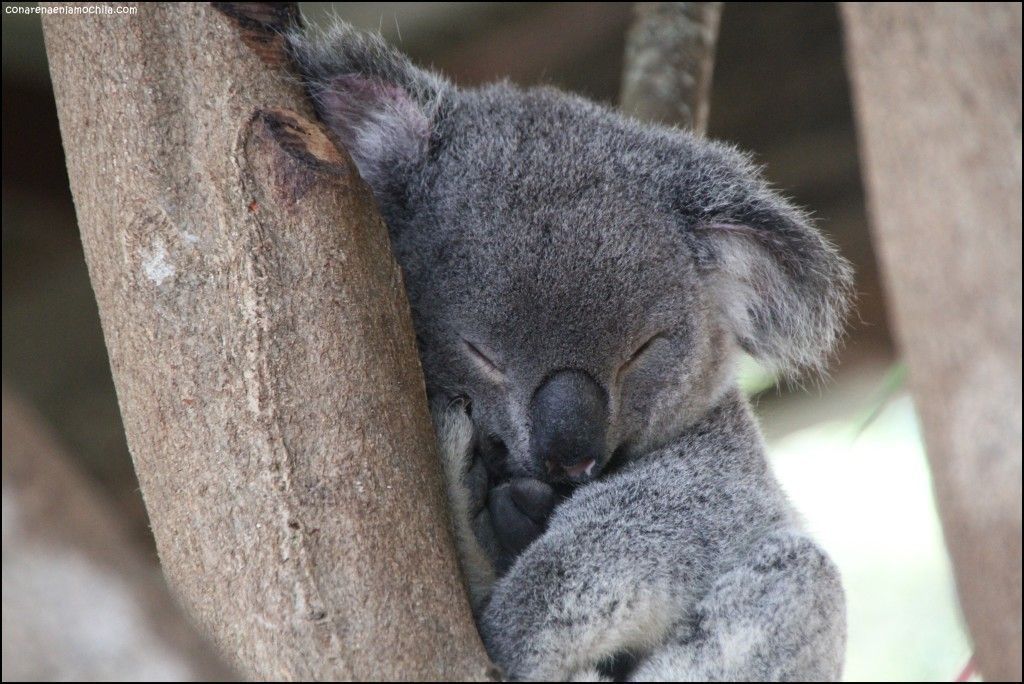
[(263, 354), (670, 57), (80, 603), (937, 92)]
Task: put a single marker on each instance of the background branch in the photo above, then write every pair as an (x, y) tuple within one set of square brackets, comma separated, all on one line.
[(670, 58), (937, 93), (80, 602)]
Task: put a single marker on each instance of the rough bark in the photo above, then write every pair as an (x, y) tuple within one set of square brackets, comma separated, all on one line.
[(263, 354), (670, 57), (80, 602), (938, 100)]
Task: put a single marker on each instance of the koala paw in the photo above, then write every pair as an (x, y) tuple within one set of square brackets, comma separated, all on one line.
[(519, 511), (476, 483)]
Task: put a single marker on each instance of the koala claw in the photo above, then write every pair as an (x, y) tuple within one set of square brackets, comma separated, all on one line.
[(534, 498), (519, 511)]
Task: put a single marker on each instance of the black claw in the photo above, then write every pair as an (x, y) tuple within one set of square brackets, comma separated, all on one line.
[(534, 498), (519, 512)]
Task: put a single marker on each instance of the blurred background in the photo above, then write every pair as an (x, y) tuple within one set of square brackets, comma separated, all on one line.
[(847, 448)]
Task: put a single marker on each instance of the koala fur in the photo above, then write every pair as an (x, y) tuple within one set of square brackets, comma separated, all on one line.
[(580, 285)]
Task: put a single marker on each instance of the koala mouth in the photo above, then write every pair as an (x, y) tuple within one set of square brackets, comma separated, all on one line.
[(576, 471), (494, 454)]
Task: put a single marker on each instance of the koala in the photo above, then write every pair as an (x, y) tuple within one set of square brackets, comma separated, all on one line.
[(581, 284)]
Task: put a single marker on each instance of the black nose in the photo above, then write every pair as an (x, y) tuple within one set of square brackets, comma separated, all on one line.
[(569, 417)]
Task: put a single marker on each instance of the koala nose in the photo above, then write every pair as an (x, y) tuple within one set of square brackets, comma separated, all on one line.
[(569, 417)]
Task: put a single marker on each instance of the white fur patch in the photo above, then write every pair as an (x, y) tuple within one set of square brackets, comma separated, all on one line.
[(455, 441)]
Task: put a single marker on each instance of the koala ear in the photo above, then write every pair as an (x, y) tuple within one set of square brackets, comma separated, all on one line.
[(377, 104), (781, 287)]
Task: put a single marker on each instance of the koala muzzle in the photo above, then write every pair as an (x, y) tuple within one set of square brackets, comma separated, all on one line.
[(569, 418)]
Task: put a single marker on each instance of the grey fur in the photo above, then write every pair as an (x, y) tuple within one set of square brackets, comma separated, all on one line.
[(540, 232)]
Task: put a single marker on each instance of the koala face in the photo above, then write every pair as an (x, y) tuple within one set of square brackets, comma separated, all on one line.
[(551, 287), (581, 280)]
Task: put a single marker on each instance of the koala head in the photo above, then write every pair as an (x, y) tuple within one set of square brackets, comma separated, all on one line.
[(579, 279)]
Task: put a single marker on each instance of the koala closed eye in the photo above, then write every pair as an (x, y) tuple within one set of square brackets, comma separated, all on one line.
[(484, 362), (639, 354)]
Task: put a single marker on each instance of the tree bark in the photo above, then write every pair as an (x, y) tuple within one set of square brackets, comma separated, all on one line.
[(938, 100), (80, 603), (263, 354), (670, 57)]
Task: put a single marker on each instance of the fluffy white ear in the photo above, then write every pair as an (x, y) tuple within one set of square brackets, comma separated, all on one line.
[(782, 288), (378, 123), (378, 105)]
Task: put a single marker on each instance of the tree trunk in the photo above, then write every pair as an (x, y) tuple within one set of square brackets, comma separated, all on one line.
[(263, 354), (80, 603), (670, 57), (938, 97)]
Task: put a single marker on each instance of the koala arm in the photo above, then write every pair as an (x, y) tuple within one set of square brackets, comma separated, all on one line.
[(592, 586), (779, 616), (491, 526), (690, 594), (466, 486)]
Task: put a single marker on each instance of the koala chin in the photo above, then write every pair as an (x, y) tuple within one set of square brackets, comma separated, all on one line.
[(580, 286)]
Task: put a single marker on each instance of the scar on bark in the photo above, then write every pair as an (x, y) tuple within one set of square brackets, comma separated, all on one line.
[(260, 25), (301, 155)]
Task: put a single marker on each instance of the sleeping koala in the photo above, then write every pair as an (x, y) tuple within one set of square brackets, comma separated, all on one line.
[(580, 285)]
